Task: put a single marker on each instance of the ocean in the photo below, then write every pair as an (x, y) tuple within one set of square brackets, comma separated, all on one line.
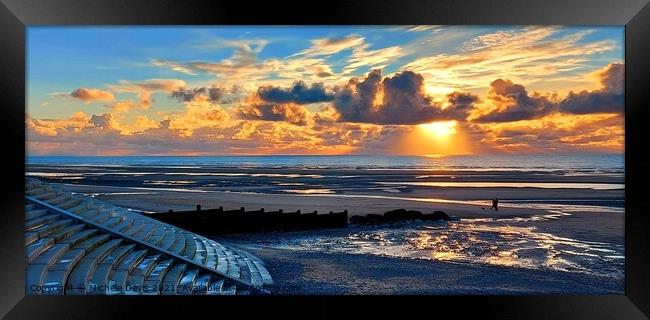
[(349, 175), (577, 163)]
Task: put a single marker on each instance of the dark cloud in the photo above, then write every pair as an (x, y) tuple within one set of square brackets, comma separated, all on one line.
[(164, 124), (354, 102), (396, 100), (520, 105), (609, 99), (290, 113), (592, 102), (214, 94), (104, 121), (299, 93), (462, 99), (405, 102), (324, 74), (613, 78), (460, 104)]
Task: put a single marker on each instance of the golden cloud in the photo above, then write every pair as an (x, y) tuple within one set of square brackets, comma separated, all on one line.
[(144, 89), (89, 95), (517, 55), (329, 46)]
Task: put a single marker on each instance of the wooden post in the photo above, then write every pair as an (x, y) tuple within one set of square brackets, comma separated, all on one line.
[(242, 209), (198, 207)]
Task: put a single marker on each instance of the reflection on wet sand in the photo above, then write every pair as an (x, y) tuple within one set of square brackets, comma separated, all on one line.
[(498, 242), (542, 185)]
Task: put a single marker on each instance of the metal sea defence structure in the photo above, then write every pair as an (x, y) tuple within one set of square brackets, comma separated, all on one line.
[(75, 245)]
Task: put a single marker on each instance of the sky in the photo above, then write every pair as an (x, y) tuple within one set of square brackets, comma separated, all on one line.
[(396, 90)]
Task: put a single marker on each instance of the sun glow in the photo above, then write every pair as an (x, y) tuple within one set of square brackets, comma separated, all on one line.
[(441, 129)]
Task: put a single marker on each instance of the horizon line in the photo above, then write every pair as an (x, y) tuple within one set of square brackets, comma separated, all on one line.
[(333, 155)]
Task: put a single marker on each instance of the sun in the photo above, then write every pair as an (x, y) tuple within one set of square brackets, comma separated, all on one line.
[(439, 129)]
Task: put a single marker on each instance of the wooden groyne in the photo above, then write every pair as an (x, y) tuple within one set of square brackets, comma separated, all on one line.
[(220, 221)]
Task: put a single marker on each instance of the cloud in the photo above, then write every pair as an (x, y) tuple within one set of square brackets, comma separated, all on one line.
[(322, 71), (89, 95), (609, 99), (395, 100), (550, 55), (179, 134), (375, 112), (419, 28), (125, 106), (141, 124), (198, 113), (330, 46), (214, 94), (327, 116), (355, 101), (244, 70), (176, 66), (514, 103), (554, 133), (103, 121), (164, 124), (377, 59), (291, 113), (165, 85), (299, 93), (460, 104), (612, 77), (242, 62), (53, 128), (361, 55), (145, 88), (244, 45), (592, 102)]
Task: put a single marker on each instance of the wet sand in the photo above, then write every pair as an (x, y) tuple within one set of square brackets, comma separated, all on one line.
[(299, 272), (160, 188), (160, 200)]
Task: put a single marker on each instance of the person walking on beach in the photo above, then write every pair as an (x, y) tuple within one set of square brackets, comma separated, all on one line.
[(495, 204)]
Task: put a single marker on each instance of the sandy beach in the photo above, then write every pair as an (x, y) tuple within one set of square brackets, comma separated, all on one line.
[(377, 202), (323, 272), (298, 272), (565, 235)]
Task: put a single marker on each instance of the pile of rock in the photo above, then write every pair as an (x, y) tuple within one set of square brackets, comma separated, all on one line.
[(401, 215)]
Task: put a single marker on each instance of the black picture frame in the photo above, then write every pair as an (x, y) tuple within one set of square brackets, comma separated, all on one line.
[(15, 15)]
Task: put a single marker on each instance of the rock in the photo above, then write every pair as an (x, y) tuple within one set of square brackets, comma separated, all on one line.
[(402, 214), (396, 211), (375, 218), (436, 216), (414, 214), (358, 220)]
